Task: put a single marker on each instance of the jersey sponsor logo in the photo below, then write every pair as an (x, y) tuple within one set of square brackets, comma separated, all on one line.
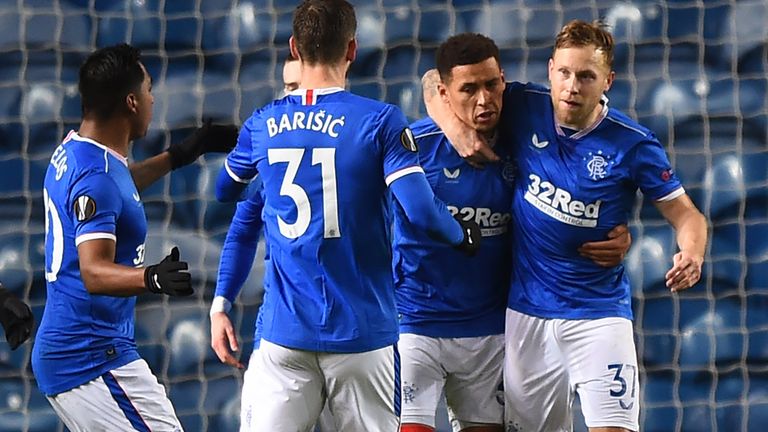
[(407, 140), (319, 121), (598, 164), (491, 223), (59, 161), (559, 204), (451, 174), (538, 144), (85, 208)]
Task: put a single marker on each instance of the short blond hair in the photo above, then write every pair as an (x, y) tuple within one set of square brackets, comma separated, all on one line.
[(578, 33)]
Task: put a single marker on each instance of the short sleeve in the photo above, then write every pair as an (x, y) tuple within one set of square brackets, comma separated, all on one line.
[(95, 203), (652, 172), (401, 156)]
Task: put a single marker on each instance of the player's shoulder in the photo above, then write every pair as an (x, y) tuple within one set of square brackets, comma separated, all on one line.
[(629, 127), (83, 155), (425, 127)]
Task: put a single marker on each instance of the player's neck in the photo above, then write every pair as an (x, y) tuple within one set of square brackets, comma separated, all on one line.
[(111, 133), (324, 76)]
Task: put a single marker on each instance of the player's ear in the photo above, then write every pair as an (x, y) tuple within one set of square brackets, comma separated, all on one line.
[(294, 49), (132, 103), (442, 90), (609, 80), (351, 50)]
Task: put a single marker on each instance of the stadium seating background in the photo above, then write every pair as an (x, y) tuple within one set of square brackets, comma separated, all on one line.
[(693, 71)]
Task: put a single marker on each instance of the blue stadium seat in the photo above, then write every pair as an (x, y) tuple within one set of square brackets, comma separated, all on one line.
[(658, 388), (658, 419), (408, 96), (218, 98), (650, 258), (724, 188), (181, 7), (15, 396), (757, 259), (181, 34), (219, 396), (401, 63), (43, 138), (145, 31), (435, 27), (400, 25), (368, 63), (753, 63), (15, 362), (371, 30), (757, 325), (10, 37), (186, 396), (503, 22), (724, 323)]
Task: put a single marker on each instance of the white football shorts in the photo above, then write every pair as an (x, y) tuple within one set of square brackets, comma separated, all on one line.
[(469, 370), (548, 361), (128, 398), (285, 389)]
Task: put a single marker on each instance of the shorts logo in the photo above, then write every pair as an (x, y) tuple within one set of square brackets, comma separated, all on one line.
[(407, 140), (409, 392), (85, 208), (598, 164)]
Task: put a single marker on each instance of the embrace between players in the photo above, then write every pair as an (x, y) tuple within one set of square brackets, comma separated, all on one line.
[(481, 245)]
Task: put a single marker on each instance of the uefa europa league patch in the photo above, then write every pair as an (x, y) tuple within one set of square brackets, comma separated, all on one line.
[(85, 208), (407, 140)]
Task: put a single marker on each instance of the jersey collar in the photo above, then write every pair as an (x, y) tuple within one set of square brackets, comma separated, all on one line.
[(118, 156), (582, 133), (309, 96)]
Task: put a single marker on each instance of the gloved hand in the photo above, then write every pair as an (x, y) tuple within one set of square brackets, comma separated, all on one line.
[(168, 277), (16, 318), (472, 236), (209, 138)]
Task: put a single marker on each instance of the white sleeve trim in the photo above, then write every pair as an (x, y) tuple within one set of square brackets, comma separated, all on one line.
[(220, 304), (94, 236), (402, 173), (234, 176), (672, 195)]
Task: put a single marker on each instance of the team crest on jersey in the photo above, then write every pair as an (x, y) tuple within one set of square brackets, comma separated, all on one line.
[(598, 164), (407, 140), (85, 208)]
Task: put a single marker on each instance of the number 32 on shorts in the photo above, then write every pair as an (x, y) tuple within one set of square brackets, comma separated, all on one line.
[(622, 374)]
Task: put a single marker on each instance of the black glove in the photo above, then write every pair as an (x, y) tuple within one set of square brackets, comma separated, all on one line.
[(472, 236), (167, 277), (206, 139), (16, 318)]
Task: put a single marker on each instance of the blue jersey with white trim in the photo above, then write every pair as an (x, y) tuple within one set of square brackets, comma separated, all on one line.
[(89, 194), (442, 292), (570, 190), (325, 158)]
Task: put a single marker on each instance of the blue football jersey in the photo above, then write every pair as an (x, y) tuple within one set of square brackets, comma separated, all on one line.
[(325, 158), (441, 292), (89, 194), (572, 189)]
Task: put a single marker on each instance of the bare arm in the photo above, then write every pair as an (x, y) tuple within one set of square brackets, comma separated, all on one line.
[(150, 170), (691, 234), (102, 276), (470, 145)]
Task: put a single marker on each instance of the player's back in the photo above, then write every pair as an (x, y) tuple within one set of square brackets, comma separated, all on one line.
[(92, 333), (325, 157)]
